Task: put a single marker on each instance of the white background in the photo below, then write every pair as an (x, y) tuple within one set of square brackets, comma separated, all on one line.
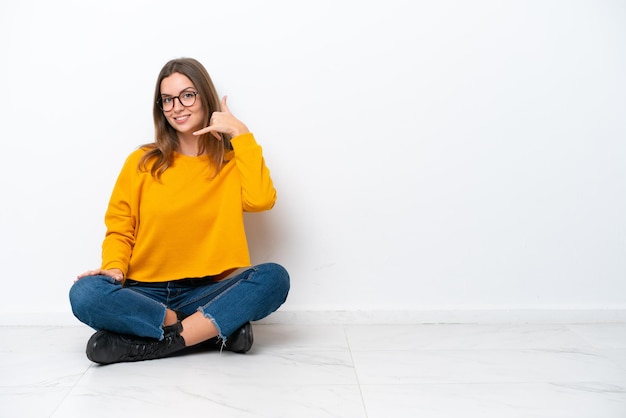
[(428, 155)]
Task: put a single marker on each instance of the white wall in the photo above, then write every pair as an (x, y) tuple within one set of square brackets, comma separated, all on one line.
[(429, 155)]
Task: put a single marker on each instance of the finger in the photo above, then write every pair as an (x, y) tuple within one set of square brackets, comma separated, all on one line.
[(224, 106), (87, 273), (208, 129), (205, 130)]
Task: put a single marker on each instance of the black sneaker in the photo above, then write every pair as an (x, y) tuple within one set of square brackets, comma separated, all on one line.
[(241, 340), (107, 347)]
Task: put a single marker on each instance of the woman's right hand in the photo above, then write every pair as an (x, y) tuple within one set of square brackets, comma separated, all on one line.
[(115, 274)]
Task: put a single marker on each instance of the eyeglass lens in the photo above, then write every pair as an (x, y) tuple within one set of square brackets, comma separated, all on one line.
[(186, 98)]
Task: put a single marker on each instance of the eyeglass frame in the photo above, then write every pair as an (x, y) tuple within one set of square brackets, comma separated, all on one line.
[(159, 102)]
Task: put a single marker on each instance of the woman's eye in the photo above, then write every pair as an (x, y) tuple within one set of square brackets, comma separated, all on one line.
[(166, 100)]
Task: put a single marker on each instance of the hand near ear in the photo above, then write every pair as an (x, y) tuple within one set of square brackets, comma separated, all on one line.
[(224, 122)]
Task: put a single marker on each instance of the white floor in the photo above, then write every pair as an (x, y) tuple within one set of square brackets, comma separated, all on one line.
[(502, 371)]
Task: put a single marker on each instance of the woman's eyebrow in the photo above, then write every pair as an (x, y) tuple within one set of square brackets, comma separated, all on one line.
[(172, 95)]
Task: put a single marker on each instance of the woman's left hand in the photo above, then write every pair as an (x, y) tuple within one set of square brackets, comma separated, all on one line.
[(224, 122), (115, 274)]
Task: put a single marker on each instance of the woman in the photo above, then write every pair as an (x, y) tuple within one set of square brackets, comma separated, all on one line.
[(175, 243)]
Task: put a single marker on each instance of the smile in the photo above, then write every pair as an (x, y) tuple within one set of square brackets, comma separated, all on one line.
[(181, 118)]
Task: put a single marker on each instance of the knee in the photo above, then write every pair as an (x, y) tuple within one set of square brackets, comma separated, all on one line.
[(80, 294), (277, 278), (86, 292)]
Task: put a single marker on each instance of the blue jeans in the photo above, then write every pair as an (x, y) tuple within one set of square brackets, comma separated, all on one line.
[(139, 308)]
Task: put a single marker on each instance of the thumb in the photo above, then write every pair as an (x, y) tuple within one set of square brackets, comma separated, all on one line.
[(223, 105)]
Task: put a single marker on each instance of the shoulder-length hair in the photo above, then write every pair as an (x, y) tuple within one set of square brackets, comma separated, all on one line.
[(160, 153)]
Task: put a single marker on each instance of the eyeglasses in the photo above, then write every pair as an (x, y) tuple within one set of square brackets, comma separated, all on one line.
[(186, 98)]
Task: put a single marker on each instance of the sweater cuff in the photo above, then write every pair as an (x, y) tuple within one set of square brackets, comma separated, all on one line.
[(244, 142)]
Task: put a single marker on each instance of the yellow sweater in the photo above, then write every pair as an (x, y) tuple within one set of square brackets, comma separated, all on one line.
[(187, 224)]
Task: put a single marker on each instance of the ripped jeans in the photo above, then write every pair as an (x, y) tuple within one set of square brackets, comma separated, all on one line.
[(139, 308)]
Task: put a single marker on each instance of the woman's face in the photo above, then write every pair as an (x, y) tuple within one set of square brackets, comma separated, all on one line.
[(177, 92)]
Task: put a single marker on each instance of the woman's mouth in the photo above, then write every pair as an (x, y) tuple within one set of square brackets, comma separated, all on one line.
[(181, 119)]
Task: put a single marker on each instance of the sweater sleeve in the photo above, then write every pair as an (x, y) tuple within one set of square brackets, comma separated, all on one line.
[(121, 220), (257, 188)]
